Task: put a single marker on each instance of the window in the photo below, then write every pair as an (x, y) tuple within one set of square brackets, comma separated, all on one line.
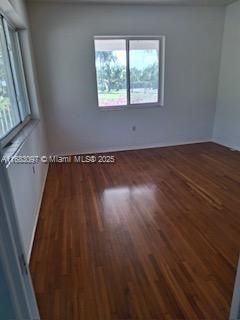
[(14, 103), (129, 71)]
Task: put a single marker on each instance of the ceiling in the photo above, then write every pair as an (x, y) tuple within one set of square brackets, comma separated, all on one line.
[(160, 2)]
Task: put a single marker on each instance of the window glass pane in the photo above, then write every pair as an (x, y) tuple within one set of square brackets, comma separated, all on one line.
[(144, 71), (9, 115), (111, 72), (18, 72)]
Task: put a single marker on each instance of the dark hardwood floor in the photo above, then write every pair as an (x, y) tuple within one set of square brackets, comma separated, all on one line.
[(154, 236)]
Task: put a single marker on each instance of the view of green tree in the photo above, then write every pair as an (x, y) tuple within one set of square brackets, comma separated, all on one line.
[(4, 103), (4, 100), (111, 74), (6, 117), (145, 78), (111, 77)]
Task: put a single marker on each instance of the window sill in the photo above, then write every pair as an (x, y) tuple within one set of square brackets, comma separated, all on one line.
[(130, 107), (17, 142)]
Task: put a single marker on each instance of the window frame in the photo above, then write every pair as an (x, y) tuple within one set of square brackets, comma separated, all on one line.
[(161, 71), (10, 135)]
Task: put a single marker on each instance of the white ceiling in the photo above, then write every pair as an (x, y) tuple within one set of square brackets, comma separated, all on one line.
[(160, 2)]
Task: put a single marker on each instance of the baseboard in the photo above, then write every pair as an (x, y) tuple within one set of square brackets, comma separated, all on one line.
[(129, 148), (37, 215), (235, 307), (226, 143)]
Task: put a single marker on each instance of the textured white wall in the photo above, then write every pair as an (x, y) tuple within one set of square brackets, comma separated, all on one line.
[(27, 186), (63, 45), (227, 121)]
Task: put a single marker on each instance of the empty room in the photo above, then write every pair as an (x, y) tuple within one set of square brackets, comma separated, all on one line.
[(120, 159)]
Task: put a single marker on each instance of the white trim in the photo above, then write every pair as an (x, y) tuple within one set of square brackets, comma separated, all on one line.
[(131, 148), (131, 106), (130, 37), (11, 15), (163, 68), (226, 142), (235, 307), (14, 132), (7, 270), (37, 215), (19, 140), (14, 257), (128, 76)]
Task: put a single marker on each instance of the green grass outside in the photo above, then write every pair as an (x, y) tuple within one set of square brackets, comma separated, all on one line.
[(119, 97)]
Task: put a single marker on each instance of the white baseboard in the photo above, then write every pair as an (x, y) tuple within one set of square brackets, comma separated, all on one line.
[(37, 215), (223, 141), (128, 148), (235, 307)]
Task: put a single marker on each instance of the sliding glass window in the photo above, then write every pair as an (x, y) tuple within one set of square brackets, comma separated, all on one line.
[(14, 103), (129, 71)]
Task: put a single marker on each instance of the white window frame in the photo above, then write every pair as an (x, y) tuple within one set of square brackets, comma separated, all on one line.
[(6, 139), (161, 73)]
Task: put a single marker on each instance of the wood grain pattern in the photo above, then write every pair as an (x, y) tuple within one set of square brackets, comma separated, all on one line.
[(154, 236)]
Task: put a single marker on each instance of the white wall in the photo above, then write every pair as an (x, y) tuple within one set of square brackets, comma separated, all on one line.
[(6, 305), (63, 45), (227, 121), (27, 185), (27, 182)]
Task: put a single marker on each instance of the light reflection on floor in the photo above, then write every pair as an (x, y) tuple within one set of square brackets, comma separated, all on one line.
[(122, 202)]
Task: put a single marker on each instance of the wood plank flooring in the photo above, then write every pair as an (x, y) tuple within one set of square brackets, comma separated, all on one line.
[(155, 235)]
